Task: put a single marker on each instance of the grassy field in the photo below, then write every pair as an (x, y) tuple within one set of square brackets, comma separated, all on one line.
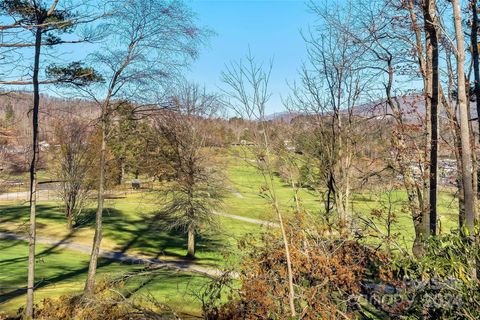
[(61, 271), (132, 226), (246, 181)]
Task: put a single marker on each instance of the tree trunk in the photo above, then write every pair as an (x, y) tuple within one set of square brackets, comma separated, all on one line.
[(474, 155), (433, 93), (191, 242), (455, 132), (476, 66), (122, 173), (418, 206), (69, 208), (340, 207), (97, 239), (70, 222), (33, 178), (466, 173), (291, 290), (415, 196), (295, 192)]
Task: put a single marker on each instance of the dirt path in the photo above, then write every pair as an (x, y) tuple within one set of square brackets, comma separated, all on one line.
[(179, 265)]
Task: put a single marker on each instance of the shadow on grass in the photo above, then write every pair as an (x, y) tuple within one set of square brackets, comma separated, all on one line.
[(19, 213), (52, 280), (40, 255), (147, 234), (150, 235), (141, 279)]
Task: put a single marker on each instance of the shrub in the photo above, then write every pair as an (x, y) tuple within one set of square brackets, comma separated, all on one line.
[(108, 303), (445, 278), (327, 273)]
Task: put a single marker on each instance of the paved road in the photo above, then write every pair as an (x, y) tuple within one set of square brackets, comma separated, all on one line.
[(42, 195), (179, 265)]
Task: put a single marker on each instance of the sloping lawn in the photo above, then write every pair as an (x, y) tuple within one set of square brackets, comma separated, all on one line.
[(61, 271)]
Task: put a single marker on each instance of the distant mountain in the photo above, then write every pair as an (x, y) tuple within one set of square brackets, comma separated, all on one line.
[(284, 116), (412, 105)]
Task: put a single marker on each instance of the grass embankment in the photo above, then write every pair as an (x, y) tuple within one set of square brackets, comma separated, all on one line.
[(130, 226)]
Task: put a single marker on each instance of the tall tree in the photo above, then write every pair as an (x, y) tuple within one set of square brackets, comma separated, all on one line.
[(73, 165), (392, 38), (45, 24), (332, 84), (475, 57), (247, 91), (467, 174), (197, 189), (128, 141), (149, 43), (432, 99), (476, 68)]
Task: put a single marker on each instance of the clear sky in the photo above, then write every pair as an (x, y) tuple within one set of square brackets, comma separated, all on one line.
[(271, 28)]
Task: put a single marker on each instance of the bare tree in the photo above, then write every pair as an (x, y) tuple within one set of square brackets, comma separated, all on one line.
[(387, 47), (149, 43), (73, 166), (475, 55), (247, 92), (197, 189), (432, 101), (466, 156), (332, 84)]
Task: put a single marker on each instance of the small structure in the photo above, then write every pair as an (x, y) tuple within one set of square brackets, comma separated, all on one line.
[(44, 145), (289, 145), (136, 184)]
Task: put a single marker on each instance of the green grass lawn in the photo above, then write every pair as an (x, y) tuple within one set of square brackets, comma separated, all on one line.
[(132, 226), (61, 271), (129, 228), (24, 178), (246, 199)]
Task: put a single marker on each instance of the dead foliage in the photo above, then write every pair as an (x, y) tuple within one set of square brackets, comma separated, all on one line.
[(327, 271)]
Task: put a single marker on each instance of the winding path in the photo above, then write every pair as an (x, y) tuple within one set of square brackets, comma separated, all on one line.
[(179, 265), (249, 220)]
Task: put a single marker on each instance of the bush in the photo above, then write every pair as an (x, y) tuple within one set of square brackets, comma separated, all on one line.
[(445, 278), (108, 303), (327, 273)]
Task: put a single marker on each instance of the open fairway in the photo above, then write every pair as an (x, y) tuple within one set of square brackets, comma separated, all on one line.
[(132, 226)]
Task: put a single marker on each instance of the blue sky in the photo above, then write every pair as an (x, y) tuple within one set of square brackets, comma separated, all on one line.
[(271, 28)]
